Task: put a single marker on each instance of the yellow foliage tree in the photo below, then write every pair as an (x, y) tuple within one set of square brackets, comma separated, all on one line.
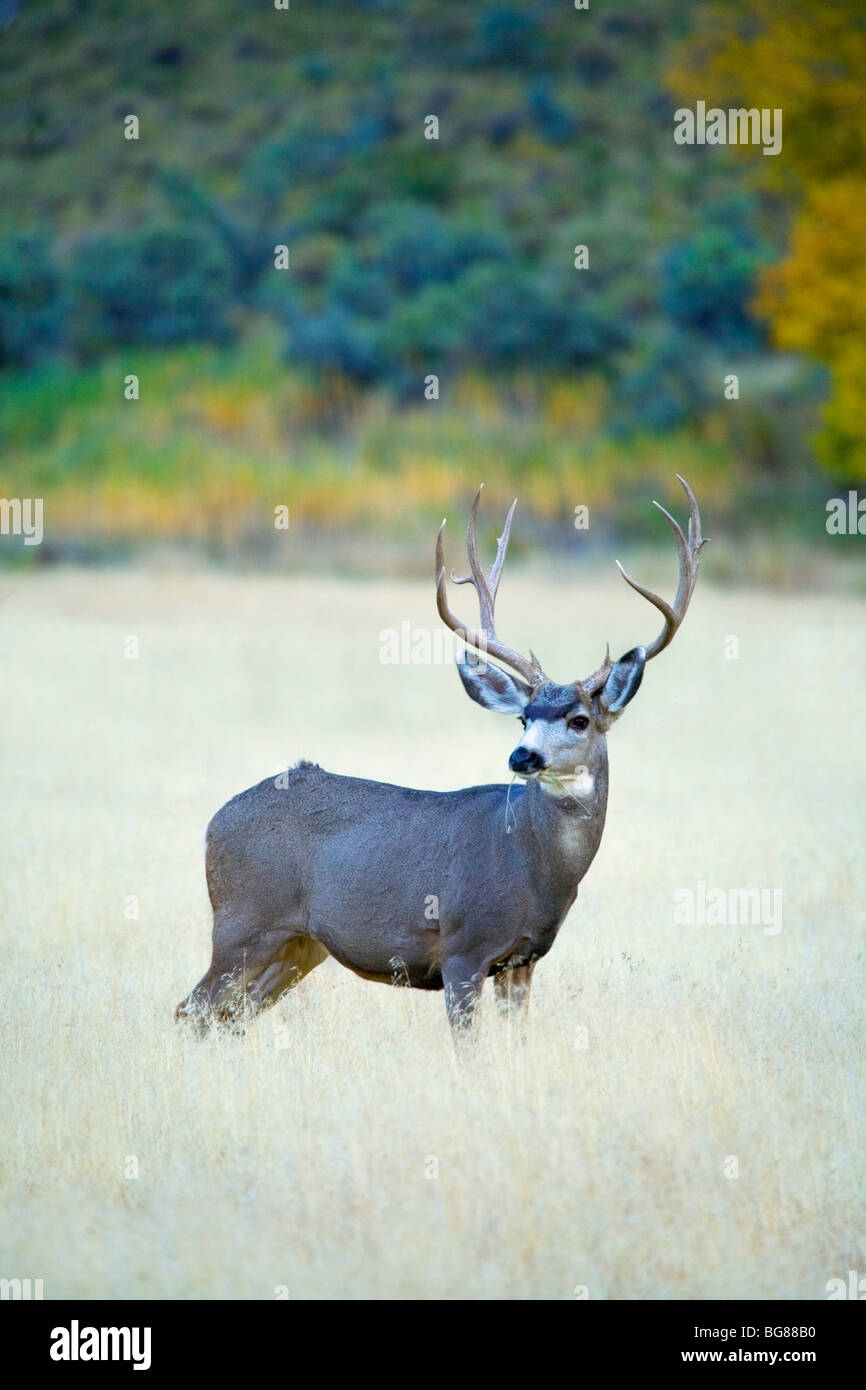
[(808, 60)]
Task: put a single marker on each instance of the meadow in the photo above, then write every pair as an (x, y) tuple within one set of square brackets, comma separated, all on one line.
[(340, 1149)]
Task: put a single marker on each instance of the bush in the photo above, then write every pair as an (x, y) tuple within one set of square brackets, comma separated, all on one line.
[(414, 245), (505, 37), (161, 285), (550, 118), (32, 305), (431, 329), (708, 281), (661, 389), (331, 340), (509, 316)]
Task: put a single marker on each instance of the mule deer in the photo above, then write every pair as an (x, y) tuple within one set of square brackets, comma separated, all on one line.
[(437, 890)]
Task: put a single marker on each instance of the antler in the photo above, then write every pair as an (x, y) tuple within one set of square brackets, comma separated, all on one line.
[(689, 553), (484, 640)]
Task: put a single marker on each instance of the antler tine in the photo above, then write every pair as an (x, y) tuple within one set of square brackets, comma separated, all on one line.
[(694, 514), (501, 552), (486, 587), (476, 576), (689, 558), (593, 684)]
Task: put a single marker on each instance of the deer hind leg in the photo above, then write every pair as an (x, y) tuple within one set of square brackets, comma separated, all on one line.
[(291, 965), (511, 988), (243, 952)]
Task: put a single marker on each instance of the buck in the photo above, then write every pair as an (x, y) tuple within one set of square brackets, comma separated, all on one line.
[(437, 890)]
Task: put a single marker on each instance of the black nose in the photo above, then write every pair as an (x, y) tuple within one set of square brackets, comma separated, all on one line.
[(526, 760)]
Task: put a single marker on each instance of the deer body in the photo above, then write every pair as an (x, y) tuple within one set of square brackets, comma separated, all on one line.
[(321, 859), (437, 890)]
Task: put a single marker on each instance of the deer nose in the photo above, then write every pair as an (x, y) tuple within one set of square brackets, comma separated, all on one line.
[(526, 760)]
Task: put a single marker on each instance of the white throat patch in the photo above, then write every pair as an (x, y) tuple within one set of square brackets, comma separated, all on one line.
[(579, 783)]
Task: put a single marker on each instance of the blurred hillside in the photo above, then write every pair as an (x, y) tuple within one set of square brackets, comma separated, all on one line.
[(408, 257)]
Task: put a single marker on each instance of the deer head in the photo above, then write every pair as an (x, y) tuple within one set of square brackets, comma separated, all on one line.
[(561, 723)]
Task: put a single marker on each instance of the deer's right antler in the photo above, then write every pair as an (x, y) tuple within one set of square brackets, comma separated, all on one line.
[(484, 640)]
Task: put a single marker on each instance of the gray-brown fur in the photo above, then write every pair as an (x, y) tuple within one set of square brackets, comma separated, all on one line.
[(315, 861)]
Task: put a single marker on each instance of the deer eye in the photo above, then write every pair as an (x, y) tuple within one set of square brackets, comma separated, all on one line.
[(579, 723)]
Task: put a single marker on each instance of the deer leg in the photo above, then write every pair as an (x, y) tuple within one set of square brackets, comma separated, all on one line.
[(293, 963), (241, 954), (511, 988), (463, 986)]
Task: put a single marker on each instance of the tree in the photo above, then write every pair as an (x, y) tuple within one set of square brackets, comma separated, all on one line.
[(807, 60)]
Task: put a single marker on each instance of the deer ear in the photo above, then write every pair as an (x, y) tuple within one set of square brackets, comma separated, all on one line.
[(623, 682), (491, 687)]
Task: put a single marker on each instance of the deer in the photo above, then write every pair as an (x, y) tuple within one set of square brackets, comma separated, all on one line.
[(430, 889)]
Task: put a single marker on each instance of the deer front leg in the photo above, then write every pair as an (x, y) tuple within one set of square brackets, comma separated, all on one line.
[(463, 980), (511, 988)]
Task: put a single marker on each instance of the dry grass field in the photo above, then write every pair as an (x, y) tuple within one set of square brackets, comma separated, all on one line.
[(340, 1150)]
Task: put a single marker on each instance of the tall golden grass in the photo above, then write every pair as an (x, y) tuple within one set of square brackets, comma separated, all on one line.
[(340, 1150)]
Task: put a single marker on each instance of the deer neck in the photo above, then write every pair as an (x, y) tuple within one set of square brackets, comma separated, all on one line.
[(568, 816)]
